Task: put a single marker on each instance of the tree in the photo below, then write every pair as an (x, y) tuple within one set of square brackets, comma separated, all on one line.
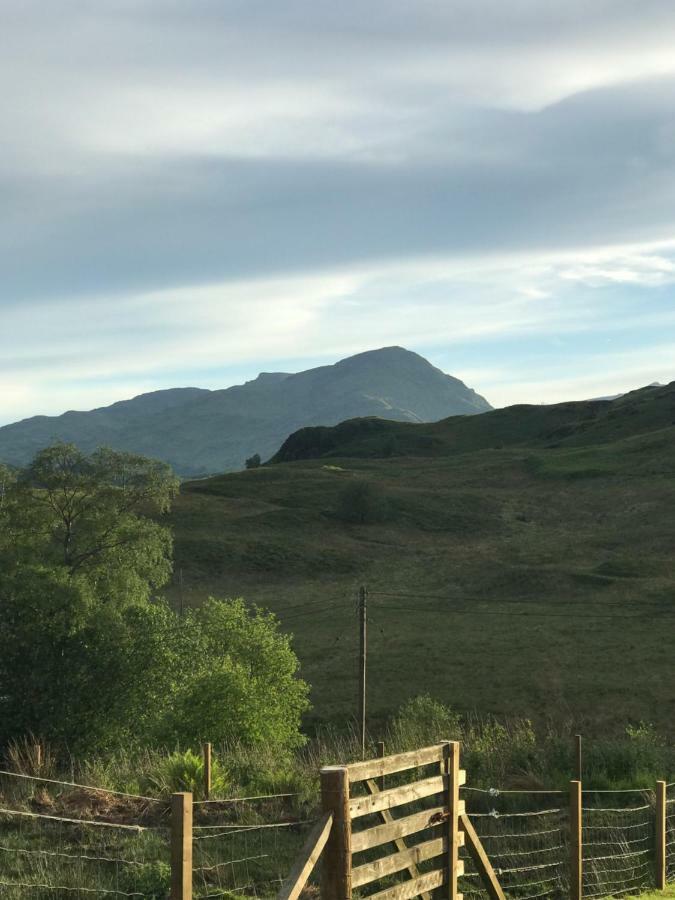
[(77, 672), (237, 679), (253, 461), (88, 657), (91, 517)]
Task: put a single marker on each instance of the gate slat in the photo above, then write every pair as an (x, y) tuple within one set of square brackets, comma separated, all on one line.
[(399, 796), (414, 888), (397, 862), (387, 765), (383, 834)]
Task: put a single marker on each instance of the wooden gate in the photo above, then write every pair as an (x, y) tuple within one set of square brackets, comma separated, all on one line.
[(395, 823)]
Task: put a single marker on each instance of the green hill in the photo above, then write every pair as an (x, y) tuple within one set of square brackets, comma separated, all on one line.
[(519, 562), (559, 425), (199, 431)]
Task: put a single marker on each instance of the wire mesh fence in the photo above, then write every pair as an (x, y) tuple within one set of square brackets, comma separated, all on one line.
[(525, 835), (46, 856), (62, 839)]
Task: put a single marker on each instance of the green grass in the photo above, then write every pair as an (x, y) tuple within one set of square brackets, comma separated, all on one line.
[(514, 572)]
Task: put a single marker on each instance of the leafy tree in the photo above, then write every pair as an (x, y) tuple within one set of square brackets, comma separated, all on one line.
[(87, 658), (253, 461), (238, 679), (73, 670), (90, 516)]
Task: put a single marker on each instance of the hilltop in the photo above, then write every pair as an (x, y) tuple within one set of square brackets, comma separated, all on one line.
[(518, 563), (558, 425), (199, 431)]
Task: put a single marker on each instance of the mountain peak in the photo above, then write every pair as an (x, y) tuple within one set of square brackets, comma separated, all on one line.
[(200, 431)]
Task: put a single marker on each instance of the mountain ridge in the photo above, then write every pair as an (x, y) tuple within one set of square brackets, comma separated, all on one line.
[(201, 431)]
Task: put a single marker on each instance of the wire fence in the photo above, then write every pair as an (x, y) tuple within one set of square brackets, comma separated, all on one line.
[(63, 839), (529, 844), (119, 844)]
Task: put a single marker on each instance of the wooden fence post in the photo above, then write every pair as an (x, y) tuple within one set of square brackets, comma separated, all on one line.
[(452, 801), (207, 770), (661, 835), (576, 842), (380, 753), (336, 872), (181, 846)]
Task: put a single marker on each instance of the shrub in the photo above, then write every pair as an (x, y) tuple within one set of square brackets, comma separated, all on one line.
[(184, 771), (422, 721), (253, 461), (361, 503)]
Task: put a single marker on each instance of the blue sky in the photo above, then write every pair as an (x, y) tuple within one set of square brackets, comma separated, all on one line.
[(193, 192)]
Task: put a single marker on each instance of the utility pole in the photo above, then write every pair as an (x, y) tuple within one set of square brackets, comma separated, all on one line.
[(363, 655), (577, 755), (180, 591)]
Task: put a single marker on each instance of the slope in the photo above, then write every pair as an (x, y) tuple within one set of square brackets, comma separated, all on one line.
[(200, 431), (530, 580)]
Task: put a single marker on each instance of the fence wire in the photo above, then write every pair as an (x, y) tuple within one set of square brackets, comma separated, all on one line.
[(529, 845), (47, 856)]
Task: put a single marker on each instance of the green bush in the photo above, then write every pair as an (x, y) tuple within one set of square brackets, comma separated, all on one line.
[(184, 771), (420, 722), (361, 503)]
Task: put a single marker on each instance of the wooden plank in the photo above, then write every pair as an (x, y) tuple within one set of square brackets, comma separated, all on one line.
[(308, 858), (481, 859), (407, 793), (413, 888), (399, 843), (336, 871), (576, 846), (661, 857), (181, 846), (377, 768), (399, 828), (397, 862)]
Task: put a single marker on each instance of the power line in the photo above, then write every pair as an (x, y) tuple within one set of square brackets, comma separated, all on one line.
[(486, 612)]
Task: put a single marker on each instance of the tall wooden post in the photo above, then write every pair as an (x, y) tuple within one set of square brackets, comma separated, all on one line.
[(451, 755), (380, 753), (661, 835), (576, 842), (363, 655), (336, 872), (181, 846), (207, 770), (577, 757)]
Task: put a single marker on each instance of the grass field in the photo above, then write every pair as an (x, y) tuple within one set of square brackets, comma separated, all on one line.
[(532, 582)]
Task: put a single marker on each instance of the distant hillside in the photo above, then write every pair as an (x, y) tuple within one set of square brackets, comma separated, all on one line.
[(518, 563), (201, 431), (560, 425)]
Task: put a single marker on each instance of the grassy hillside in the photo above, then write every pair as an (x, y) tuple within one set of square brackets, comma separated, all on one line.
[(531, 580), (559, 425)]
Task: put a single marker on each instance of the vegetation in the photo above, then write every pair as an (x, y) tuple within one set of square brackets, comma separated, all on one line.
[(528, 580), (89, 658)]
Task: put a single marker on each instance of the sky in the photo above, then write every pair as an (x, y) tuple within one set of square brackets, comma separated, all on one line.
[(193, 191)]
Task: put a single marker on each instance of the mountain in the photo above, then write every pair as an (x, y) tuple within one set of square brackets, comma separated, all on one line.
[(200, 431), (559, 425)]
